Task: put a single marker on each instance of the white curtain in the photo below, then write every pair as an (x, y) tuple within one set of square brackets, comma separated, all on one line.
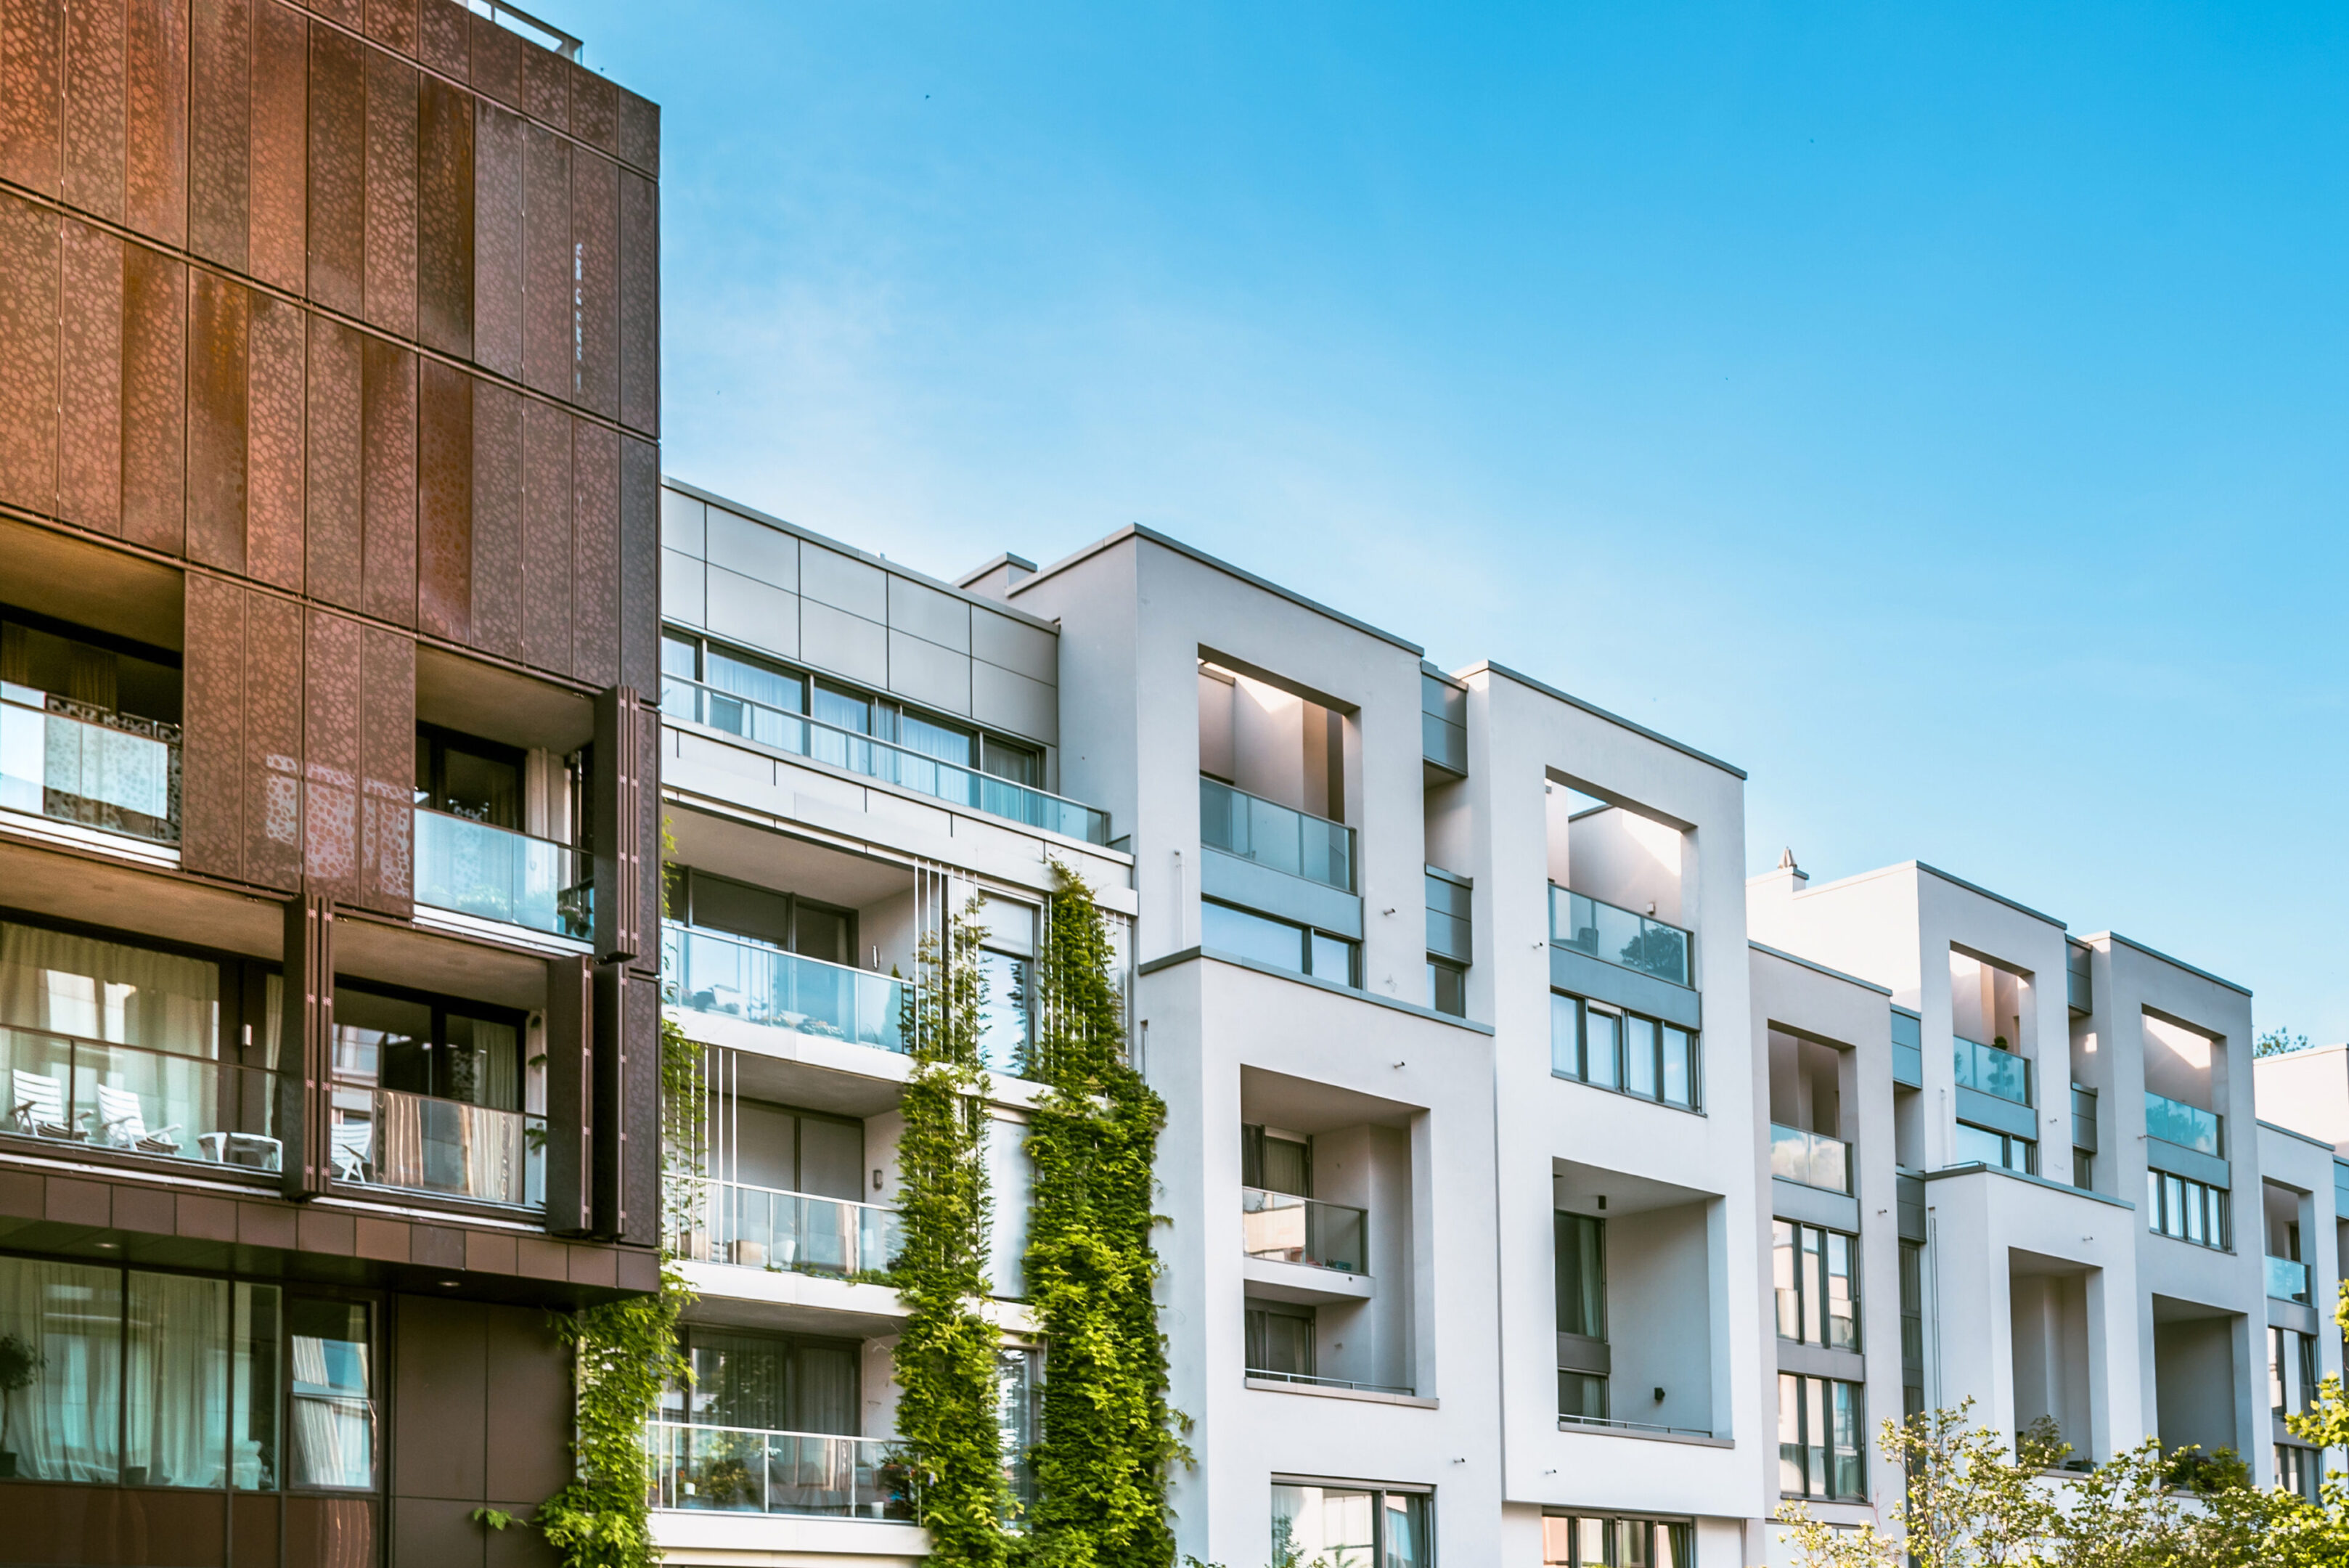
[(108, 991), (176, 1381), (62, 1426)]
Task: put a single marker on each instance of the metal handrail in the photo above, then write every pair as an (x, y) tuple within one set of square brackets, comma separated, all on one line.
[(1267, 1374), (908, 773), (1564, 1421)]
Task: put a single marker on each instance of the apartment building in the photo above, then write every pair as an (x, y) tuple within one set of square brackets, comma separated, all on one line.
[(329, 658), (1538, 1189)]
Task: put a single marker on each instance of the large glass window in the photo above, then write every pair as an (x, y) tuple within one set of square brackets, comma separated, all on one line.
[(1984, 1146), (2292, 1371), (1349, 1527), (99, 990), (1280, 1339), (1581, 1243), (2187, 1211), (1815, 1276), (1608, 1048), (1584, 1542), (137, 1378), (1297, 949), (768, 1383), (467, 776), (1822, 1433)]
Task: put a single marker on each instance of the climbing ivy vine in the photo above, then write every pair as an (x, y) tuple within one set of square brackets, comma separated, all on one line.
[(945, 1353), (1109, 1441), (625, 1353)]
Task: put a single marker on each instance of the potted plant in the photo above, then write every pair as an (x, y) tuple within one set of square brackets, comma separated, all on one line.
[(20, 1363)]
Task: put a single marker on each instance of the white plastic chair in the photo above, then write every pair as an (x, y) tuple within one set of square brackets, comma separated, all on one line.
[(351, 1143), (38, 1105), (122, 1122)]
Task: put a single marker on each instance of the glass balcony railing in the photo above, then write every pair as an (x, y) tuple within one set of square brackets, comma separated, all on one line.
[(953, 783), (1276, 836), (710, 972), (1587, 925), (416, 1143), (496, 874), (2188, 1126), (763, 1228), (72, 763), (96, 1094), (2288, 1281), (1289, 1229), (1813, 1160), (1993, 1071), (742, 1469)]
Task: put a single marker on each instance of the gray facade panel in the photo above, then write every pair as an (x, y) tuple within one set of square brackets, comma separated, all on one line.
[(844, 583), (681, 522), (1602, 982), (1814, 1206), (1990, 1111), (1232, 880), (2192, 1163), (682, 598), (847, 645), (923, 611), (1025, 649), (1003, 700), (923, 673), (753, 614), (753, 549)]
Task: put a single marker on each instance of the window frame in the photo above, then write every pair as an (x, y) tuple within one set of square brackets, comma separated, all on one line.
[(1663, 1032), (1805, 1310), (2204, 1213), (1306, 936), (1806, 1444), (1683, 1537), (1379, 1493)]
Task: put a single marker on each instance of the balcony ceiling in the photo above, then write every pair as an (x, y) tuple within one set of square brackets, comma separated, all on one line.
[(1577, 1188), (1302, 1106), (766, 858)]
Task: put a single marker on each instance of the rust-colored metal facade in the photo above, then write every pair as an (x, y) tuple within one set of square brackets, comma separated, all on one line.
[(346, 315)]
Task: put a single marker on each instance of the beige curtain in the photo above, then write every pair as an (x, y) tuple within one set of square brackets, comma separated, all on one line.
[(109, 991)]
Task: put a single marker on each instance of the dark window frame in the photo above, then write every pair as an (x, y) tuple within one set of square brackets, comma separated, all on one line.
[(1582, 1006)]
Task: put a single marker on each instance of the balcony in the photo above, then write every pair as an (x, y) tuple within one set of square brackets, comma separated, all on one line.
[(1582, 924), (417, 1143), (1263, 1374), (794, 734), (709, 972), (795, 1232), (1283, 1228), (1811, 1160), (496, 874), (75, 763), (1276, 836), (2288, 1281), (81, 1094), (2188, 1126), (741, 1469), (2001, 1074)]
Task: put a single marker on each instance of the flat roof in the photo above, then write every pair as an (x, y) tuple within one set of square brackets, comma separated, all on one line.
[(1596, 712), (1830, 973), (2172, 963)]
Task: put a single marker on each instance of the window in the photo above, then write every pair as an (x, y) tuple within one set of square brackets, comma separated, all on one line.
[(1297, 949), (466, 776), (767, 1382), (2299, 1469), (1019, 1420), (2083, 1170), (2292, 1371), (1447, 987), (1984, 1146), (1274, 1163), (2187, 1211), (1817, 1277), (1579, 1261), (187, 1381), (462, 1051), (1280, 1340), (1585, 1543), (1611, 1049), (781, 920), (1349, 1527), (1912, 1328), (1821, 1429)]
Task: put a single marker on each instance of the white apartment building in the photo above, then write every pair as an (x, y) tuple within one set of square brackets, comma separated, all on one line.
[(1539, 1190)]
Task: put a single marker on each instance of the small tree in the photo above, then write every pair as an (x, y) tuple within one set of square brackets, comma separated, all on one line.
[(2279, 1042)]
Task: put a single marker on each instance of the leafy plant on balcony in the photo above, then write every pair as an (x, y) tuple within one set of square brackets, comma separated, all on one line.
[(1108, 1440), (945, 1356)]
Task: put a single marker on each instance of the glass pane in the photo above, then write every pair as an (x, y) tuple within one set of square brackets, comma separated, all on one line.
[(1011, 1181), (1403, 1539), (254, 1367), (1814, 1435), (1287, 1167), (1447, 990), (1783, 1279), (1981, 1145), (1842, 1303), (677, 657), (1680, 1077), (831, 1158), (1599, 1034), (1790, 1435), (1253, 937), (1322, 1525), (1565, 1035), (332, 1408), (1814, 1267), (1004, 1018), (1582, 1395), (61, 1334), (1333, 960), (933, 740), (1848, 1441), (1581, 1275), (479, 786), (108, 991), (772, 688), (841, 710), (175, 1382), (1640, 1056), (1631, 1543), (1558, 1543)]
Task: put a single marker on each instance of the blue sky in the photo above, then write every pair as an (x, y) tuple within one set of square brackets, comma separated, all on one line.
[(1939, 413)]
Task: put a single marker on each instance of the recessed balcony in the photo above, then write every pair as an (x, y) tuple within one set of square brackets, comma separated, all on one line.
[(725, 976), (1810, 1159), (82, 1093), (449, 1148), (1993, 1071), (1276, 836), (85, 766), (2186, 1126), (491, 873), (792, 1232), (2287, 1280), (1280, 1228), (745, 1469), (1624, 938)]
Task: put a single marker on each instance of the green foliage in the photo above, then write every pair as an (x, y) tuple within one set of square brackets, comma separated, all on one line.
[(1108, 1443), (625, 1353), (2279, 1042), (945, 1356)]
